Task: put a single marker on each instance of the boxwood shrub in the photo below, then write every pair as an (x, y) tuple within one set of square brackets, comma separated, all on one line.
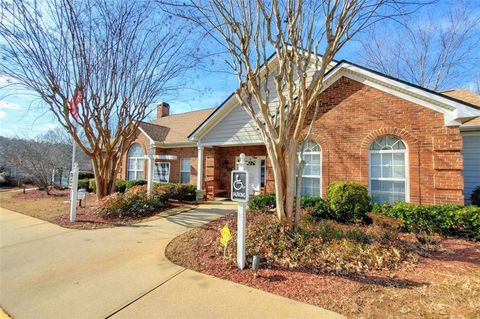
[(83, 183), (135, 182), (448, 220), (263, 202), (120, 185), (347, 201), (180, 192), (316, 206)]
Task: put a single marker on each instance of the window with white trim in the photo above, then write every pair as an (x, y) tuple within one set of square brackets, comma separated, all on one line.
[(135, 162), (312, 172), (388, 170), (185, 168), (161, 172)]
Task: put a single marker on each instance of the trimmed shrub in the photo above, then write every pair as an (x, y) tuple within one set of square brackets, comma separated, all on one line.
[(315, 206), (185, 192), (84, 183), (475, 197), (449, 220), (263, 202), (180, 192), (120, 185), (133, 204), (347, 201), (135, 182)]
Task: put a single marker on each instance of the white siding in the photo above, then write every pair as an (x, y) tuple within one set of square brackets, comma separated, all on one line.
[(235, 128), (471, 162)]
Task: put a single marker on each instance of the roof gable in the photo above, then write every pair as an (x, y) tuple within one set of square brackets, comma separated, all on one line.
[(173, 129), (455, 111)]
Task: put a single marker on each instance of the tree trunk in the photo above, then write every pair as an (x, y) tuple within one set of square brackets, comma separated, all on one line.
[(298, 194), (284, 172), (290, 167), (105, 175)]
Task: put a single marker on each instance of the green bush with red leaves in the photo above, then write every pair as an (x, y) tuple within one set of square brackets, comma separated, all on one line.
[(134, 203)]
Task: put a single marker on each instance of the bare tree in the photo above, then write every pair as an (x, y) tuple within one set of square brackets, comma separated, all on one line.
[(36, 158), (113, 57), (279, 93), (436, 51)]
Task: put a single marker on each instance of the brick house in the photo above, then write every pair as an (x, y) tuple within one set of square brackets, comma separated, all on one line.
[(403, 142)]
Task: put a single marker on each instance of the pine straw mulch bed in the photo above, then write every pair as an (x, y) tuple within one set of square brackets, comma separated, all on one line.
[(54, 208), (446, 284)]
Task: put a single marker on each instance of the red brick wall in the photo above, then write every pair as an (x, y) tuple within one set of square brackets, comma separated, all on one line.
[(229, 155), (184, 152), (353, 115)]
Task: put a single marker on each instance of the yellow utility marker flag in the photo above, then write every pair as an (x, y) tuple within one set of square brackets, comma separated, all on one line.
[(226, 236)]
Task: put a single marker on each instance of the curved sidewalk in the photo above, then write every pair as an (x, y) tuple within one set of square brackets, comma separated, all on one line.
[(52, 272)]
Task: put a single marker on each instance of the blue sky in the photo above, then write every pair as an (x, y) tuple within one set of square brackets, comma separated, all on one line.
[(22, 114)]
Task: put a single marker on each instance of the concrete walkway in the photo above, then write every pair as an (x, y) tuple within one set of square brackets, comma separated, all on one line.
[(52, 272)]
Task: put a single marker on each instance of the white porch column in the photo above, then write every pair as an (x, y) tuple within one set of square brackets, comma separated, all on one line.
[(200, 167), (200, 193), (151, 161)]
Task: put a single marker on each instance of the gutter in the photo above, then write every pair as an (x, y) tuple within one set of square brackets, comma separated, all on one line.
[(470, 128), (175, 144)]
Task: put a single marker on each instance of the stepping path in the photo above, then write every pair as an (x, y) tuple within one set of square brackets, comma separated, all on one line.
[(52, 272)]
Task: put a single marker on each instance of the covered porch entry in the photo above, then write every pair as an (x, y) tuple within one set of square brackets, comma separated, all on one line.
[(221, 160)]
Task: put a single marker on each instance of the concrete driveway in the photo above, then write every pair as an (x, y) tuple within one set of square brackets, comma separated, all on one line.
[(52, 272)]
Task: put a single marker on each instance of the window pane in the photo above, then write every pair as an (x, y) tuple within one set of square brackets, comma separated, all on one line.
[(376, 159), (136, 150), (376, 171), (387, 159), (185, 178), (315, 170), (375, 185), (399, 187), (131, 164), (399, 159), (140, 164), (399, 172), (185, 165), (387, 171)]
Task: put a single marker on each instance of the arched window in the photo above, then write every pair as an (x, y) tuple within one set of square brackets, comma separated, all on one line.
[(388, 170), (136, 162), (312, 172)]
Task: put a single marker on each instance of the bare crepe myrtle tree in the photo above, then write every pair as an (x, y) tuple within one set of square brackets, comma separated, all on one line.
[(116, 57), (279, 94), (437, 50)]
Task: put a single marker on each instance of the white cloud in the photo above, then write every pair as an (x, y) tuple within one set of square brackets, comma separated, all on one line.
[(2, 114), (4, 105), (6, 80)]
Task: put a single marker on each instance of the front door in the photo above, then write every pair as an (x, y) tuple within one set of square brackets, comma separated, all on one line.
[(253, 167)]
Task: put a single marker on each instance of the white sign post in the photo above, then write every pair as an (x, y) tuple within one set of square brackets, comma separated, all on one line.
[(240, 195), (73, 192)]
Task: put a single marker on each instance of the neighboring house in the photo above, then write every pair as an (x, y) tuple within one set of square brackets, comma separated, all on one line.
[(403, 142)]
